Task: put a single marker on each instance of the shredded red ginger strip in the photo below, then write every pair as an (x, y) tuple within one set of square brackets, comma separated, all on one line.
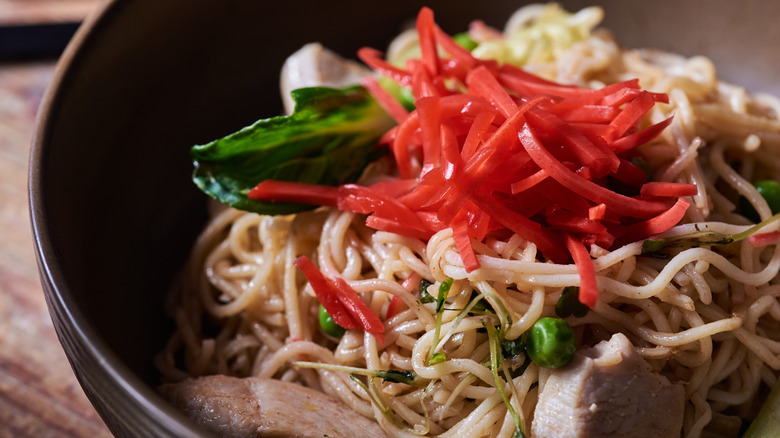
[(340, 300), (512, 153), (597, 212), (388, 102), (764, 239), (668, 189), (396, 304), (588, 282)]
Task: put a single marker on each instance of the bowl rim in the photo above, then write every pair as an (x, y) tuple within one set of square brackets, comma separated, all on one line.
[(57, 292)]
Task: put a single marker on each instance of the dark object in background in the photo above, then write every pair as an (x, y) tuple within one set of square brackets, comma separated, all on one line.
[(23, 42)]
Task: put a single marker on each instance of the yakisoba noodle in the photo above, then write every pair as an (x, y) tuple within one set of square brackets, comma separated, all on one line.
[(706, 316)]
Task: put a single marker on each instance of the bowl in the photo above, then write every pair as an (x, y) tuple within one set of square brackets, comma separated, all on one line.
[(114, 211)]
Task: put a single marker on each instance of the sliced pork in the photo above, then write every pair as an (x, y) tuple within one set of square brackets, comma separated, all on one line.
[(609, 391), (255, 407), (313, 66)]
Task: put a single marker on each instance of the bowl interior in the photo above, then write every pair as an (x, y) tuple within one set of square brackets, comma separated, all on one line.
[(114, 209)]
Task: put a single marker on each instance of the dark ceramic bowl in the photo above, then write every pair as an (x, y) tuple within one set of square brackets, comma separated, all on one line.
[(113, 209)]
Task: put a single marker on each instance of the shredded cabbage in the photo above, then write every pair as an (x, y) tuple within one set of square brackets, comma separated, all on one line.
[(538, 33)]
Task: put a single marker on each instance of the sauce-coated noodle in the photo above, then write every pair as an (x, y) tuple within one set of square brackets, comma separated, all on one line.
[(707, 317)]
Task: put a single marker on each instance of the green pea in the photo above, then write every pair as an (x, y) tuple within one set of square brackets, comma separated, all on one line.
[(550, 342), (464, 40), (328, 325), (770, 191)]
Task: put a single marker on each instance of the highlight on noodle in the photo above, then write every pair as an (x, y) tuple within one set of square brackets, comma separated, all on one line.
[(630, 217)]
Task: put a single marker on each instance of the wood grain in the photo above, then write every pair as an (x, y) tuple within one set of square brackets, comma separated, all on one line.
[(36, 11), (39, 394)]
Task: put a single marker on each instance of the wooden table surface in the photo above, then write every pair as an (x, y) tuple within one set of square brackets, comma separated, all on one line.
[(39, 394)]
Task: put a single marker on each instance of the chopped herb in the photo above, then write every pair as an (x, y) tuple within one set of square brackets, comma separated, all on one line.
[(514, 351), (425, 296), (569, 303), (375, 395), (444, 290), (395, 376), (494, 341), (463, 314), (435, 343), (658, 255), (378, 401), (699, 238), (437, 358), (513, 347), (502, 312), (481, 307)]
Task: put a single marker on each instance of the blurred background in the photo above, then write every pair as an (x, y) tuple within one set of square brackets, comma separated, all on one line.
[(39, 395)]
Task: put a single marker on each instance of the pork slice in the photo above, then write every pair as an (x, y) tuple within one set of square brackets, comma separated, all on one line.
[(315, 66), (609, 391), (256, 407)]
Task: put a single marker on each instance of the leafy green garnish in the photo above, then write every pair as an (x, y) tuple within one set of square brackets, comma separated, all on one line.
[(329, 139), (701, 238)]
